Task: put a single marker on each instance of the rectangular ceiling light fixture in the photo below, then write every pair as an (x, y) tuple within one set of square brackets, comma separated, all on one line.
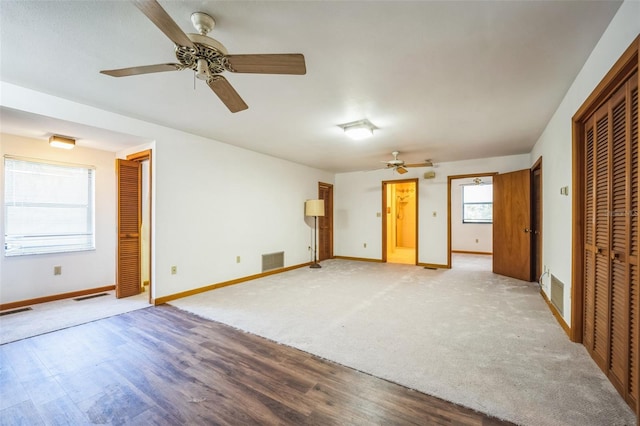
[(358, 130), (63, 142)]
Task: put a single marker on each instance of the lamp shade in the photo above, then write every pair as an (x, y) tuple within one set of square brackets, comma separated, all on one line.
[(314, 208)]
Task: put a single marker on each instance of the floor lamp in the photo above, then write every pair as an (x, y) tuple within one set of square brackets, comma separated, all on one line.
[(314, 208)]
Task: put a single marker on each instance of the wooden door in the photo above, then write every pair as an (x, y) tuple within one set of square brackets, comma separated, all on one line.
[(129, 196), (611, 238), (512, 224), (325, 223)]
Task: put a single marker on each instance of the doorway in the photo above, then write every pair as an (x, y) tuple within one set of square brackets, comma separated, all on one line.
[(459, 239), (516, 221), (400, 224), (325, 223)]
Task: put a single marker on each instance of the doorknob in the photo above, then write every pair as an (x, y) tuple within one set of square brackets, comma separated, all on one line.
[(527, 230), (614, 256)]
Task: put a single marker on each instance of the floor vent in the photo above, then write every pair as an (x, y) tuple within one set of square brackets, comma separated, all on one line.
[(15, 311), (272, 261), (557, 294), (78, 299)]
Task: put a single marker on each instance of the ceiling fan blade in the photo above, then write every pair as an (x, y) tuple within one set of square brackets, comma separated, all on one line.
[(401, 170), (227, 93), (289, 63), (425, 164), (145, 69), (162, 20)]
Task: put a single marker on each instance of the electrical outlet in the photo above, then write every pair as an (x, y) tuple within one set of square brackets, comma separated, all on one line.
[(57, 270), (174, 270), (237, 259)]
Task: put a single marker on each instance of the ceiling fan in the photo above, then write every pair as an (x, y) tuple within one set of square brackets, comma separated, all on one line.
[(478, 181), (208, 57), (401, 167)]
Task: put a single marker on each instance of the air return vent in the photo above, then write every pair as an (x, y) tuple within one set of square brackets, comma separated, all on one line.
[(272, 261), (15, 311), (93, 296), (557, 294)]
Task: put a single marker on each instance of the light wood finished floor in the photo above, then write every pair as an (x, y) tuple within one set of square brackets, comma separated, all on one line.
[(161, 365), (404, 255)]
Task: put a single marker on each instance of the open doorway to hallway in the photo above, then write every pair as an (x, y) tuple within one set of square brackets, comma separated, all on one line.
[(470, 217), (400, 225)]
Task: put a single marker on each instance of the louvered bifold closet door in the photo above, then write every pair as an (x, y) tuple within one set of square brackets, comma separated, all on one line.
[(618, 355), (612, 238), (128, 276), (602, 233), (634, 279)]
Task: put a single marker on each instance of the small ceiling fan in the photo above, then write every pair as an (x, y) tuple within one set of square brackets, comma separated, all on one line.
[(401, 167), (208, 57), (478, 181)]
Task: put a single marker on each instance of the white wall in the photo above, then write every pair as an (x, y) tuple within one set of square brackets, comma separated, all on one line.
[(209, 211), (358, 200), (475, 237), (212, 201), (28, 277), (554, 146)]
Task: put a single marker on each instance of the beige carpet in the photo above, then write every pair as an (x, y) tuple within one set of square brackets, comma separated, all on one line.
[(466, 335), (52, 316)]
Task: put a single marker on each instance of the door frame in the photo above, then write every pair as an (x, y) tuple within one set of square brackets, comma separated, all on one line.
[(139, 157), (609, 84), (449, 179), (329, 211), (384, 214), (536, 247)]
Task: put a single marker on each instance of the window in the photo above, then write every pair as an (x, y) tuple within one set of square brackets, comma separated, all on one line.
[(477, 203), (48, 207)]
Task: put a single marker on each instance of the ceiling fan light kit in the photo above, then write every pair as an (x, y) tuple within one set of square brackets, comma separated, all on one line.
[(400, 166), (207, 57), (358, 130)]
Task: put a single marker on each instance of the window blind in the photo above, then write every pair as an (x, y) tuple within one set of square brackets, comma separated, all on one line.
[(48, 207)]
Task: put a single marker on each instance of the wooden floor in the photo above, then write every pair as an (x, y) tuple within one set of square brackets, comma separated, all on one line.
[(163, 366)]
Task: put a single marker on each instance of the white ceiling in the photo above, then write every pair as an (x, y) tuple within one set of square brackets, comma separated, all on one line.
[(449, 80)]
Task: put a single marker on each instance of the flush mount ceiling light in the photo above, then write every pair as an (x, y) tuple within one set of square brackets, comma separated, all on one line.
[(358, 130), (63, 142)]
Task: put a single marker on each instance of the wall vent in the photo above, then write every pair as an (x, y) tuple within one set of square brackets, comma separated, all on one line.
[(15, 311), (557, 294), (93, 296), (272, 261)]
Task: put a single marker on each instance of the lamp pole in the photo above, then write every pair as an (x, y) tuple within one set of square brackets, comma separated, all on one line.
[(315, 263)]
